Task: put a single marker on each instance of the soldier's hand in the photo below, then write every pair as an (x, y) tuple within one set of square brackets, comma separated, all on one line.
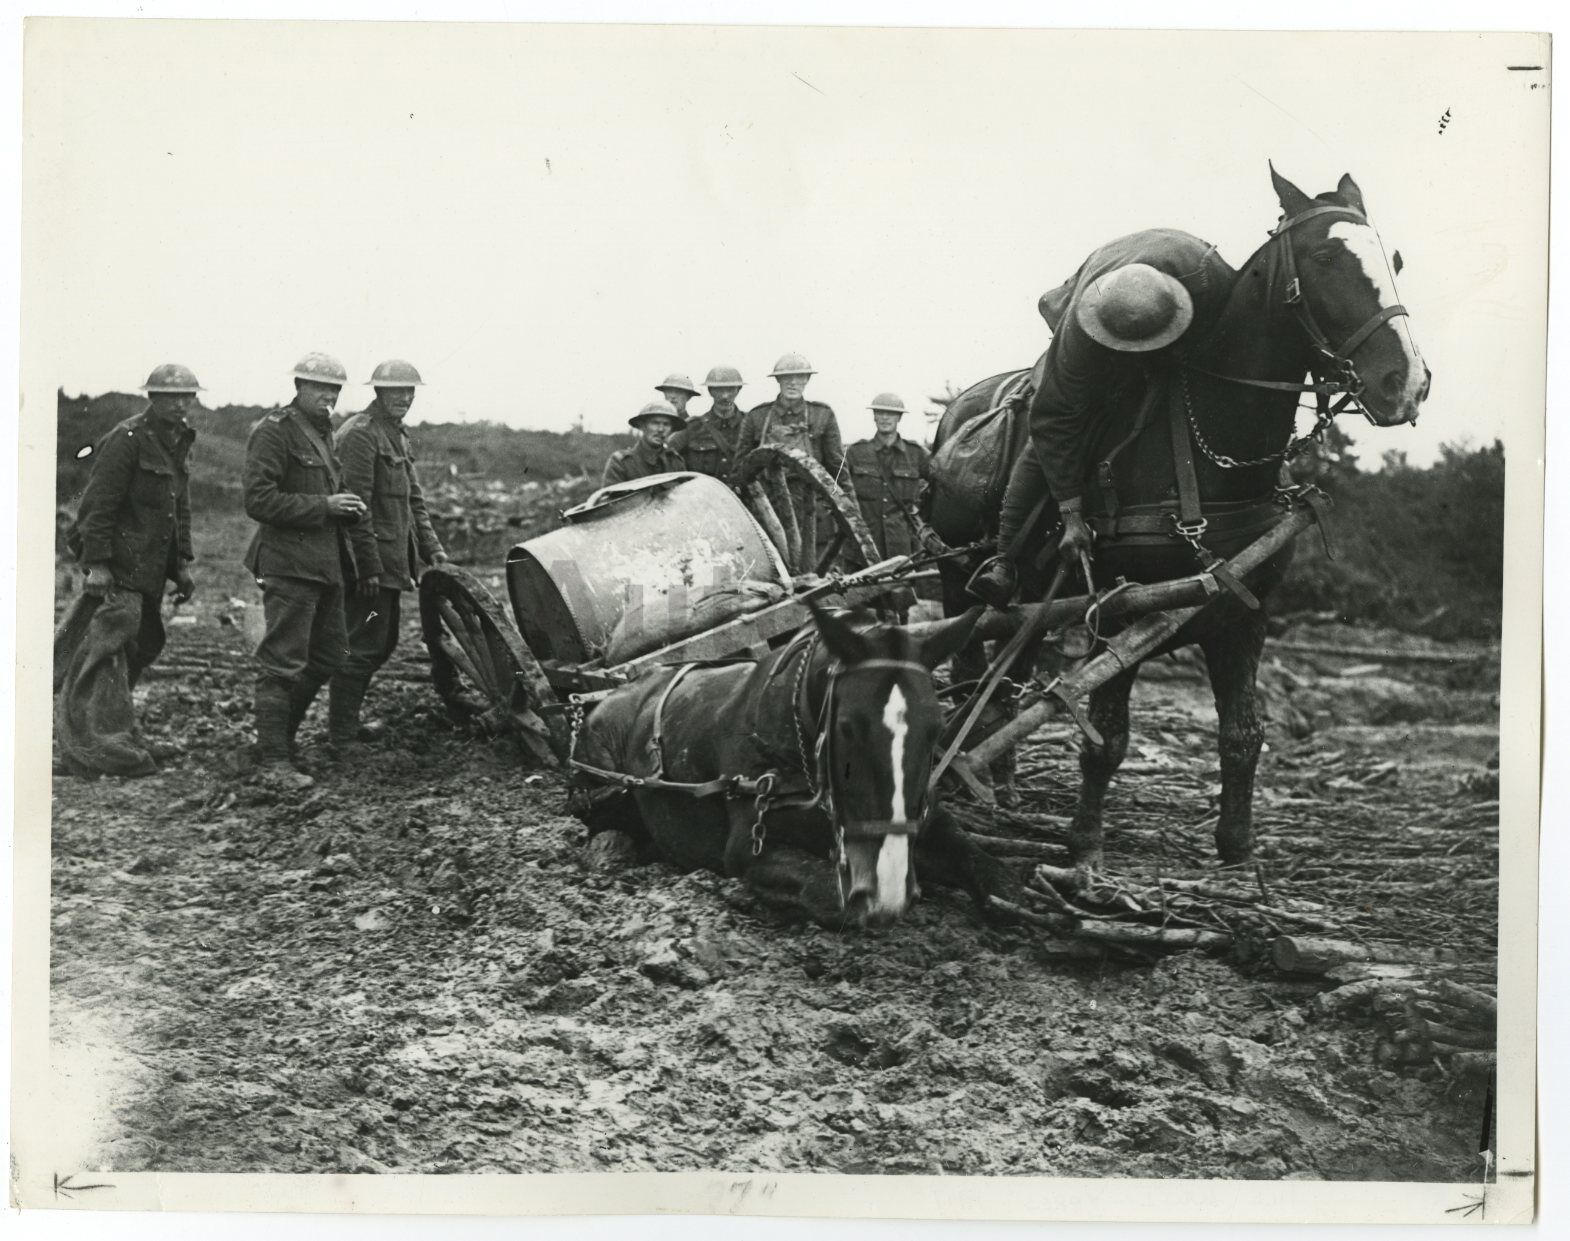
[(345, 504), (184, 586), (100, 579), (367, 587), (1076, 538)]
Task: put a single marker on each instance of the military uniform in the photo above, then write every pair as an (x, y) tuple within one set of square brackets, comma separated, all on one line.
[(886, 481), (710, 444), (135, 517), (640, 461), (387, 547), (300, 555), (811, 428)]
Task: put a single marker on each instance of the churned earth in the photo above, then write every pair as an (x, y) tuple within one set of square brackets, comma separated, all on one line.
[(414, 967)]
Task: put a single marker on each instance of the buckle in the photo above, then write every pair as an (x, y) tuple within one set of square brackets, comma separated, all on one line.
[(1190, 529), (1294, 293)]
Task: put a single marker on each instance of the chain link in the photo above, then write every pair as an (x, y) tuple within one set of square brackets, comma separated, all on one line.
[(1292, 449), (575, 717)]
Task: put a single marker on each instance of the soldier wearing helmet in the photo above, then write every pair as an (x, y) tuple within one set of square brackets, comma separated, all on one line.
[(886, 471), (654, 423), (389, 547), (792, 421), (709, 443), (132, 535), (678, 390), (295, 492), (1119, 319)]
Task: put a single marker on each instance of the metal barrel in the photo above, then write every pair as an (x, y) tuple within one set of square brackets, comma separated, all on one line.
[(640, 565)]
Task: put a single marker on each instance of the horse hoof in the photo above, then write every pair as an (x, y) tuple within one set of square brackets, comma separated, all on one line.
[(1007, 796), (611, 850)]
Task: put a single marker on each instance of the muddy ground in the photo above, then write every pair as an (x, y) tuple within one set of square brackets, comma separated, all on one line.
[(413, 967)]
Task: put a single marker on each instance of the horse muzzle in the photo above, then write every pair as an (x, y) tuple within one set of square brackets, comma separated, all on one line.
[(881, 871)]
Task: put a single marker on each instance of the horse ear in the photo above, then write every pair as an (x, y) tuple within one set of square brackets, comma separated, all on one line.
[(1348, 190), (844, 643), (948, 637), (1292, 199)]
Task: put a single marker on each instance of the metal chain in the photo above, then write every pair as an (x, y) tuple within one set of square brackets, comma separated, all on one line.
[(1292, 449), (760, 804), (575, 717)]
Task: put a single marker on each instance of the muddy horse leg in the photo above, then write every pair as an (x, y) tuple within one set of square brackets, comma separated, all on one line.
[(1232, 657), (792, 883), (1098, 764)]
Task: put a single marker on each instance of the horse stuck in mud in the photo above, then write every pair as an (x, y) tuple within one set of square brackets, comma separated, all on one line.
[(761, 771), (1317, 298)]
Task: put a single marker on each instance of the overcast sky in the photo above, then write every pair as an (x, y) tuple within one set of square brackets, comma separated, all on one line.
[(546, 220)]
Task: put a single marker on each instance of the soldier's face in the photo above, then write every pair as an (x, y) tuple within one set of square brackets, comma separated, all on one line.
[(886, 423), (676, 397), (170, 404), (656, 430), (792, 386), (724, 397), (315, 398), (396, 401)]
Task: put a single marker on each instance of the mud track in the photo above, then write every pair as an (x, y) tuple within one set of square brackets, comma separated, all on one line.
[(414, 968)]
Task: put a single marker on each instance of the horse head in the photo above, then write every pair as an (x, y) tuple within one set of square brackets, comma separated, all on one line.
[(1342, 284), (878, 724)]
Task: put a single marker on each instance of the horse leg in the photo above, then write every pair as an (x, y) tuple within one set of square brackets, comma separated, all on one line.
[(1098, 764), (791, 883), (1232, 656), (947, 856)]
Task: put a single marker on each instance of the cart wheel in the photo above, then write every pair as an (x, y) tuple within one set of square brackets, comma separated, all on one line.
[(485, 674), (764, 478)]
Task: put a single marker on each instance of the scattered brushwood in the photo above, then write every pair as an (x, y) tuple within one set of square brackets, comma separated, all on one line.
[(1421, 1022)]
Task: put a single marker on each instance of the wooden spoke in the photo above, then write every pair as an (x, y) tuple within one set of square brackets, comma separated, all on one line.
[(762, 508), (796, 471), (486, 676)]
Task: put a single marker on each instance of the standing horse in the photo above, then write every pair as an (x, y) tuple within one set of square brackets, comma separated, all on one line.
[(1317, 298), (805, 773)]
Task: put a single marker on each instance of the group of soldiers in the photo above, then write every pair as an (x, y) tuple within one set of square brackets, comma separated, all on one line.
[(342, 526), (342, 531), (885, 470)]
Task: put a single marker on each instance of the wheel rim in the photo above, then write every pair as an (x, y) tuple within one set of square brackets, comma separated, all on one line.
[(483, 671), (766, 476)]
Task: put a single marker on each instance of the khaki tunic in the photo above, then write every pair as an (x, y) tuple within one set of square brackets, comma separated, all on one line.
[(886, 482), (378, 466)]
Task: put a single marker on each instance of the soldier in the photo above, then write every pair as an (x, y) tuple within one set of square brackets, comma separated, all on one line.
[(388, 549), (886, 472), (678, 390), (792, 421), (1122, 312), (294, 490), (132, 534), (650, 455), (710, 443)]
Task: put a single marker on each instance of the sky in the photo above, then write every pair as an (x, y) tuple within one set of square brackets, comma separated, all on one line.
[(548, 220)]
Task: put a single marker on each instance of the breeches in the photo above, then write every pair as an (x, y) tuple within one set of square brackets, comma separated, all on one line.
[(373, 632), (305, 637)]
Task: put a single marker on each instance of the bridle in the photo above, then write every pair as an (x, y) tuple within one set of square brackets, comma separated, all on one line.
[(1334, 371), (820, 765)]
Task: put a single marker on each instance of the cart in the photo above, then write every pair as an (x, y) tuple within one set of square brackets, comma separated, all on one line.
[(680, 568)]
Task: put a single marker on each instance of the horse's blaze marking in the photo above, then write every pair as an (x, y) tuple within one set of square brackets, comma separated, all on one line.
[(1363, 243), (894, 852)]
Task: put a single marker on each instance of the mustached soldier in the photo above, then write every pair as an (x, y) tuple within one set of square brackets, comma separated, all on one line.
[(295, 492), (651, 454), (133, 534), (388, 548), (710, 443)]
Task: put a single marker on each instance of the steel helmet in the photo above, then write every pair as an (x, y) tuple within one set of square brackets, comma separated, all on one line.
[(1135, 308), (888, 403), (792, 364), (723, 377), (396, 374), (172, 377), (321, 368), (657, 409), (676, 383)]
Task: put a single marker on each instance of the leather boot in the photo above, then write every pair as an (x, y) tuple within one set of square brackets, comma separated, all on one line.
[(995, 582), (344, 695), (273, 703)]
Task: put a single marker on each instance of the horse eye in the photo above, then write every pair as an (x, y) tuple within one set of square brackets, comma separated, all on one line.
[(1395, 261), (1323, 257)]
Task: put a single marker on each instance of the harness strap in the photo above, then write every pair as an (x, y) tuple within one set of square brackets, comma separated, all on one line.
[(1191, 523), (656, 732), (731, 786)]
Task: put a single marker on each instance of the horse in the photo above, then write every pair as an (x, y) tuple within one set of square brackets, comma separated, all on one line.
[(804, 773), (1317, 298)]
